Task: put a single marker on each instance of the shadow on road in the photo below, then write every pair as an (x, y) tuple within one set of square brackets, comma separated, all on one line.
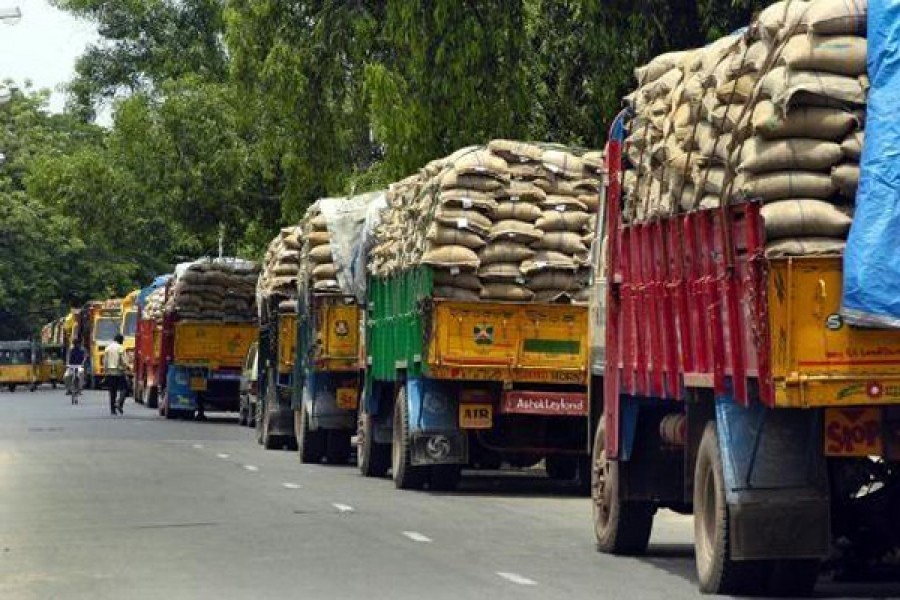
[(519, 484)]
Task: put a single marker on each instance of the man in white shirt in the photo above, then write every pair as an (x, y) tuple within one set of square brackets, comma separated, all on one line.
[(114, 370)]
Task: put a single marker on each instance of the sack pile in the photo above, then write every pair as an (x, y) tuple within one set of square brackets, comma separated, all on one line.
[(774, 113), (155, 305), (281, 264), (316, 261), (511, 221), (216, 290)]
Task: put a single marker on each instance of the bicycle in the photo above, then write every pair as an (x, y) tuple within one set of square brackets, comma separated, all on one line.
[(74, 379)]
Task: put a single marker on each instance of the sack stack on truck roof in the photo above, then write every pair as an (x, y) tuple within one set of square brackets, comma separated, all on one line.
[(278, 279), (774, 113), (509, 221), (220, 289)]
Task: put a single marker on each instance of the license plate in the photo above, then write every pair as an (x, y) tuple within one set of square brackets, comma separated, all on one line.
[(347, 398), (198, 384), (476, 416), (853, 432)]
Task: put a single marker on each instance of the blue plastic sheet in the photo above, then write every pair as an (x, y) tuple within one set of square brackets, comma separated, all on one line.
[(872, 259)]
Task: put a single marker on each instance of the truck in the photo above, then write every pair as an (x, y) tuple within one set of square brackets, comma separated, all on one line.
[(201, 354), (99, 323), (148, 370), (273, 417), (20, 364), (735, 391)]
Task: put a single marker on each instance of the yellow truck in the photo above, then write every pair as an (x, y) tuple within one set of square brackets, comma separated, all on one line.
[(20, 365), (99, 323), (450, 384)]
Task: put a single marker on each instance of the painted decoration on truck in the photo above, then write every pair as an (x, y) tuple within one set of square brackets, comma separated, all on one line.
[(854, 431)]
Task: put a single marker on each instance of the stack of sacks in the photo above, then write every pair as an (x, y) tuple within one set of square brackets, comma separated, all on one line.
[(281, 265), (215, 290), (770, 114), (316, 262), (511, 221), (155, 305)]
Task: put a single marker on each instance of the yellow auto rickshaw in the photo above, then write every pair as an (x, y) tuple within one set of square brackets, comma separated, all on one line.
[(19, 365), (53, 364)]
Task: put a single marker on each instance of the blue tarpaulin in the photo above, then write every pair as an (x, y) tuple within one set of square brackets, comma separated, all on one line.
[(872, 259)]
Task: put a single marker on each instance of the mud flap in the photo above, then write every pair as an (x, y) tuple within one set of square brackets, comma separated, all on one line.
[(320, 398), (776, 481), (433, 427)]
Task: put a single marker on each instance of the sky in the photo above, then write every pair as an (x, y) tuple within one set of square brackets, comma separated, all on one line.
[(42, 46)]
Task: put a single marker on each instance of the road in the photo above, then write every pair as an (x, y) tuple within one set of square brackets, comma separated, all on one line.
[(94, 506)]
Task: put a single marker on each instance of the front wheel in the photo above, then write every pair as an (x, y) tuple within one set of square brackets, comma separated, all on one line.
[(372, 458), (621, 526), (406, 476), (12, 387)]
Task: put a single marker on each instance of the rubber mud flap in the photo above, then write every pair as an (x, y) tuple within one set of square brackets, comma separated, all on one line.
[(773, 525)]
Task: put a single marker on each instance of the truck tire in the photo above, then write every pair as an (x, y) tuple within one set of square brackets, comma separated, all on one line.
[(337, 447), (372, 458), (139, 392), (243, 409), (153, 397), (561, 468), (310, 444), (405, 475), (444, 478), (258, 423), (621, 527), (12, 387), (793, 578), (716, 571)]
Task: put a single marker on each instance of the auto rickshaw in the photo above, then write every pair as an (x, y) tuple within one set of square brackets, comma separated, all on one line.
[(19, 364), (53, 364)]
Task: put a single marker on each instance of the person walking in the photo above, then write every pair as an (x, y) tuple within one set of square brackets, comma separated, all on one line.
[(114, 367)]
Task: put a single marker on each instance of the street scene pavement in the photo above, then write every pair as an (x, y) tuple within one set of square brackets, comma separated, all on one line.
[(94, 506)]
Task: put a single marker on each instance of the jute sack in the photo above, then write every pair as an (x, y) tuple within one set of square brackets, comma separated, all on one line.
[(515, 231), (515, 152), (758, 155), (457, 293), (452, 179), (566, 242), (501, 252), (780, 17), (811, 246), (519, 211), (785, 87), (852, 145), (506, 291), (846, 179), (501, 272), (324, 271), (802, 121), (563, 203), (548, 260), (553, 220), (286, 270), (751, 60), (470, 220), (448, 257), (482, 162), (320, 254), (804, 218), (467, 281), (468, 199), (317, 238), (441, 235), (319, 223), (841, 54), (563, 163), (780, 185), (293, 242), (591, 201), (834, 17), (659, 66), (523, 191), (737, 91), (562, 281)]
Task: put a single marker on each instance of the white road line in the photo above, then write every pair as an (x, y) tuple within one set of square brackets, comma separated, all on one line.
[(417, 537), (253, 468), (343, 507), (291, 486), (516, 578), (222, 455), (198, 446)]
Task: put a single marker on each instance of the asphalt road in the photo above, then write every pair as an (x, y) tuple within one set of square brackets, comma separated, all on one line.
[(94, 506)]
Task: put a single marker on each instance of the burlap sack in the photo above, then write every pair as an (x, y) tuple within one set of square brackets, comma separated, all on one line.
[(458, 257), (846, 179), (320, 254), (286, 270), (737, 91), (553, 220), (805, 247), (506, 291), (324, 271), (562, 163), (520, 211), (515, 152), (566, 242), (786, 87), (457, 293), (804, 218), (505, 252), (548, 260), (563, 203), (441, 235), (319, 223), (758, 155), (802, 121), (501, 272), (515, 231), (657, 67), (523, 191), (841, 54), (468, 199), (481, 162), (467, 281), (451, 179), (780, 185), (470, 220), (852, 146), (782, 18), (836, 17), (317, 238), (552, 280)]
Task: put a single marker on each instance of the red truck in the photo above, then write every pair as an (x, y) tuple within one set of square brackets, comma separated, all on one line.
[(733, 390), (149, 371)]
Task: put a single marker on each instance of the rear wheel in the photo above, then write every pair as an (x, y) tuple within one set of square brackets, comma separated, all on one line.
[(12, 387), (310, 444), (372, 458), (406, 476), (717, 572), (152, 397), (621, 526), (337, 447), (242, 412), (139, 392)]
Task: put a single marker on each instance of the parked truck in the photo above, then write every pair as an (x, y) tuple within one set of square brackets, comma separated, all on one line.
[(148, 366), (208, 324), (99, 323)]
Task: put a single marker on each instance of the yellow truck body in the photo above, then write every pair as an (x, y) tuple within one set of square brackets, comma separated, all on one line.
[(337, 336), (212, 344), (287, 342)]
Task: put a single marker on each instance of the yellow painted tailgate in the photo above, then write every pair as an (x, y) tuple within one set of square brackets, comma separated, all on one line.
[(337, 332), (287, 342), (509, 342), (817, 359), (213, 344)]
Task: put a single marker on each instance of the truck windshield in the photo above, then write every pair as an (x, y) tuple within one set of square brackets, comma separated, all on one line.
[(106, 329), (129, 326)]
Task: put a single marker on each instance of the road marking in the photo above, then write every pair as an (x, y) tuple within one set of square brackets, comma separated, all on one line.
[(198, 446), (222, 455), (343, 507), (516, 578), (252, 468), (291, 486), (417, 537)]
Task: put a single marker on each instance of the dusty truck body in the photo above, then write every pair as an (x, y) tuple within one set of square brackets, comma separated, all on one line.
[(449, 384), (148, 364), (734, 390), (100, 322), (274, 417)]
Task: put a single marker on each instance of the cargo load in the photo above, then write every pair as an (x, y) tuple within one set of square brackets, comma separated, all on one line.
[(220, 289)]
